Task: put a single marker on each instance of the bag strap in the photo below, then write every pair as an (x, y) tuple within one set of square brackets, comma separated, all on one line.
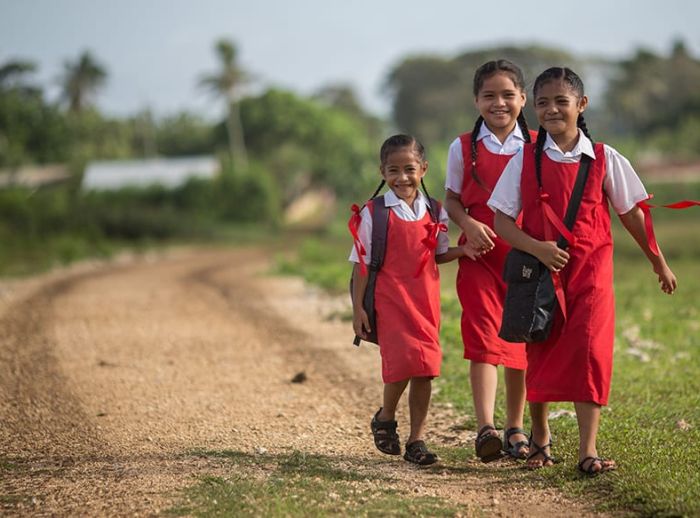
[(576, 196), (380, 225)]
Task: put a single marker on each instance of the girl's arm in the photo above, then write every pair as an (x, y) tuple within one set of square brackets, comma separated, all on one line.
[(633, 221), (454, 252), (360, 320), (547, 252), (479, 235)]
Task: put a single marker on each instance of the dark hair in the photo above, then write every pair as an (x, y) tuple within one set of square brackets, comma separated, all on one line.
[(482, 73), (397, 142), (491, 68), (575, 83), (400, 141)]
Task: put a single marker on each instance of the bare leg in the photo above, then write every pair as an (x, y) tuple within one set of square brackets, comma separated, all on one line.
[(392, 395), (588, 416), (515, 404), (540, 434), (484, 380), (418, 404)]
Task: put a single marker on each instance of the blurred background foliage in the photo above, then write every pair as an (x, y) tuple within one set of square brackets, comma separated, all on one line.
[(277, 146)]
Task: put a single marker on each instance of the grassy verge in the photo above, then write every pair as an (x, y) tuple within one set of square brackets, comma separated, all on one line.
[(300, 484), (652, 424)]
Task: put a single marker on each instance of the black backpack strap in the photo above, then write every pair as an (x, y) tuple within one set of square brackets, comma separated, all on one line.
[(576, 196), (434, 209), (380, 225)]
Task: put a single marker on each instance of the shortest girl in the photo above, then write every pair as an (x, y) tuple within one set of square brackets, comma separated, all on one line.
[(407, 294)]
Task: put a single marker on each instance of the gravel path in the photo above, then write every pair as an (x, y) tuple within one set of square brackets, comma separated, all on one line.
[(111, 375)]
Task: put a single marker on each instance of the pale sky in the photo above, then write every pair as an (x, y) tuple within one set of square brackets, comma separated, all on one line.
[(155, 51)]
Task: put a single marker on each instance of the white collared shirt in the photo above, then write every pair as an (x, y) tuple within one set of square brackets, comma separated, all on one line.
[(455, 159), (622, 186), (400, 209)]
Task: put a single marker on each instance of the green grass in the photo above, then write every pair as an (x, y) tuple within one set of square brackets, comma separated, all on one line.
[(300, 484), (652, 424)]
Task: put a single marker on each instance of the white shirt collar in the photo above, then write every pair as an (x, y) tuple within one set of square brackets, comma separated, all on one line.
[(583, 145), (391, 200), (485, 132)]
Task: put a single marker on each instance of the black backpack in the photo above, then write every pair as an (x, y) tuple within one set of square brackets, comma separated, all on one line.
[(380, 225)]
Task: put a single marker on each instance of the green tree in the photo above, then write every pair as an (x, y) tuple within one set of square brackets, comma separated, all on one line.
[(652, 92), (81, 80), (226, 84), (306, 144), (184, 134), (13, 77), (30, 129), (432, 96)]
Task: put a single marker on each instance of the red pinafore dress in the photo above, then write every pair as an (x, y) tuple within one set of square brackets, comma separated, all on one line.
[(408, 307), (575, 363), (480, 285)]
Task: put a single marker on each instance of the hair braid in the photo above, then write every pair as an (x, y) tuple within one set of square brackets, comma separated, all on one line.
[(381, 184), (539, 146), (523, 126), (475, 135), (581, 123)]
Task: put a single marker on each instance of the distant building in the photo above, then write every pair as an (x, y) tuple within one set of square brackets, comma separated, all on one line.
[(167, 172)]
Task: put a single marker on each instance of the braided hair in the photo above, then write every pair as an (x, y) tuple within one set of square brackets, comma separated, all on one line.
[(482, 73), (575, 83)]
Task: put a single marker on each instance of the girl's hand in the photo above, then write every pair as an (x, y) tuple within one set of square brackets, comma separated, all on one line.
[(360, 322), (551, 255), (667, 279), (480, 236), (470, 252)]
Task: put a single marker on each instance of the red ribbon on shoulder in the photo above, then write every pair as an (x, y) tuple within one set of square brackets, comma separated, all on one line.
[(548, 214), (552, 217), (430, 242), (648, 223), (354, 227)]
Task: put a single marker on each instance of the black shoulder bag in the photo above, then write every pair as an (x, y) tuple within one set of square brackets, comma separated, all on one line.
[(530, 303)]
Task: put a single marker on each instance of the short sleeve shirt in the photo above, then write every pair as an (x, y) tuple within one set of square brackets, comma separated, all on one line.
[(400, 209), (622, 185)]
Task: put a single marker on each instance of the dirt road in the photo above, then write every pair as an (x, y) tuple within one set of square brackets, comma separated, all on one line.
[(111, 375)]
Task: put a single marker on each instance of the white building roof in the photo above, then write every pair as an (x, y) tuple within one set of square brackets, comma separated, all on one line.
[(168, 172)]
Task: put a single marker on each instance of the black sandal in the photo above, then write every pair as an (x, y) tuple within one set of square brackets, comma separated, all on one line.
[(539, 450), (418, 453), (385, 437), (589, 471), (514, 450), (489, 447)]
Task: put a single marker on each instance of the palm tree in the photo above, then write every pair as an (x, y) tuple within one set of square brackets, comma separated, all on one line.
[(81, 80), (226, 84)]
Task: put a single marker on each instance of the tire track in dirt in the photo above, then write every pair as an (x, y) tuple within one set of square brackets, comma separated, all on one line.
[(33, 387), (111, 380)]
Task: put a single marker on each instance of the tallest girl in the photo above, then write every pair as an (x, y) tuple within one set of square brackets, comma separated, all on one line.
[(575, 362), (474, 164)]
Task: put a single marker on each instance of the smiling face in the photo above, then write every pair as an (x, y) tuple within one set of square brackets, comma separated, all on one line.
[(558, 106), (402, 170), (499, 102)]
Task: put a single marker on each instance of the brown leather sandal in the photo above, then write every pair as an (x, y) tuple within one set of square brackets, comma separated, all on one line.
[(488, 446)]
